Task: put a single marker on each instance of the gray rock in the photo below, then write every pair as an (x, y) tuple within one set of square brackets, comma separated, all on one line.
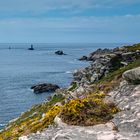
[(60, 52), (83, 58), (132, 76), (124, 126), (45, 87)]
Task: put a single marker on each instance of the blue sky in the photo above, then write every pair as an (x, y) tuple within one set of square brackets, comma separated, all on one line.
[(52, 21)]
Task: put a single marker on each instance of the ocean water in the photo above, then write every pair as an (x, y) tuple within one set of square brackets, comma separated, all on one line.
[(21, 68)]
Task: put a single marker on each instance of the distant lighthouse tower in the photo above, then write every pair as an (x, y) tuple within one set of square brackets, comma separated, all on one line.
[(31, 48)]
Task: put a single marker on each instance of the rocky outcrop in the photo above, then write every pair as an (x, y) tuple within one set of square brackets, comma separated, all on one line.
[(83, 58), (60, 52), (65, 132), (102, 62), (125, 124), (46, 87), (98, 53), (133, 76), (127, 97)]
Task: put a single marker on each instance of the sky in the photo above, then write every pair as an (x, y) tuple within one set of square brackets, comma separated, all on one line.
[(69, 21)]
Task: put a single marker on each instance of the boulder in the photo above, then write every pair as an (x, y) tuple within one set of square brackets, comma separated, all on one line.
[(60, 52), (78, 74), (45, 87), (132, 76), (98, 54)]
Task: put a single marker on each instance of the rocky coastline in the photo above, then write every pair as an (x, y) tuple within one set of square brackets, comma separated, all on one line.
[(102, 102)]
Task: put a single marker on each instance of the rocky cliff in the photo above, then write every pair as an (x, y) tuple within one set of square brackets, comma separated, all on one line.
[(104, 61), (125, 124)]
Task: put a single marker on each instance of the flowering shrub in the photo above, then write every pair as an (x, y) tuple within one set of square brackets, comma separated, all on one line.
[(36, 119), (46, 120), (1, 138), (88, 111)]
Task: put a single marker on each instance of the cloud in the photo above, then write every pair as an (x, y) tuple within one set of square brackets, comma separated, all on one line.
[(41, 5), (73, 22), (67, 20), (66, 8), (90, 29)]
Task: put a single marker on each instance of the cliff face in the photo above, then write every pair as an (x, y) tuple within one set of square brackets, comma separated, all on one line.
[(100, 103), (124, 125), (104, 61), (105, 69)]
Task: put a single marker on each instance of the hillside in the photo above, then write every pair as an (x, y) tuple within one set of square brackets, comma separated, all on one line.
[(101, 103)]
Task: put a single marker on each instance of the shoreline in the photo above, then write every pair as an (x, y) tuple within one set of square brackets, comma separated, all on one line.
[(18, 84), (83, 83)]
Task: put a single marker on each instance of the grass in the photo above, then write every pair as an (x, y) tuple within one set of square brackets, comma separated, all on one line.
[(112, 80), (73, 86), (90, 110), (32, 120), (134, 47), (118, 73)]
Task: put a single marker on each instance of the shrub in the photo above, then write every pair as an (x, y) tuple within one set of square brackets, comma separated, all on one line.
[(115, 62), (47, 120), (32, 121), (73, 86), (88, 111)]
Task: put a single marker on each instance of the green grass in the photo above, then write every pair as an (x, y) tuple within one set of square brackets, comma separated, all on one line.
[(118, 73), (82, 111), (73, 86), (133, 47), (30, 121), (112, 80)]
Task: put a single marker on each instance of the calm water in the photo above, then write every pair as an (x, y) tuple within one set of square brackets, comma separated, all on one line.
[(21, 68)]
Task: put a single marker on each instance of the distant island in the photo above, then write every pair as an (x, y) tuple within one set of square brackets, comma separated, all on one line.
[(105, 96)]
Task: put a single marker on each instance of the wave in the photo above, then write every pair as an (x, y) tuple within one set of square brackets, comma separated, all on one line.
[(1, 125), (71, 62), (68, 72), (79, 49), (53, 72)]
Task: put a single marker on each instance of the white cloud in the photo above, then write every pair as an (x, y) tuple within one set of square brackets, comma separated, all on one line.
[(22, 29), (116, 23), (40, 5)]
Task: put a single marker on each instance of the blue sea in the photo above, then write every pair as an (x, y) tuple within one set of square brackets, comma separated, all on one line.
[(21, 68)]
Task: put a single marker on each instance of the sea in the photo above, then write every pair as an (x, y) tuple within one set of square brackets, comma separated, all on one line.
[(21, 68)]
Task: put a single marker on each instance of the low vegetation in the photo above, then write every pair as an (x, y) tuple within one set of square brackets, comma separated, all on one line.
[(133, 48), (88, 111), (73, 86), (36, 119), (113, 79)]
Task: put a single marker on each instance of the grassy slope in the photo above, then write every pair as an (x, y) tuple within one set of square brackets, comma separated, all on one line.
[(135, 47), (30, 121)]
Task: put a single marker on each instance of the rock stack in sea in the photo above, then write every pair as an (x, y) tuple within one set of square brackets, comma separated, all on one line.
[(60, 52), (45, 87)]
